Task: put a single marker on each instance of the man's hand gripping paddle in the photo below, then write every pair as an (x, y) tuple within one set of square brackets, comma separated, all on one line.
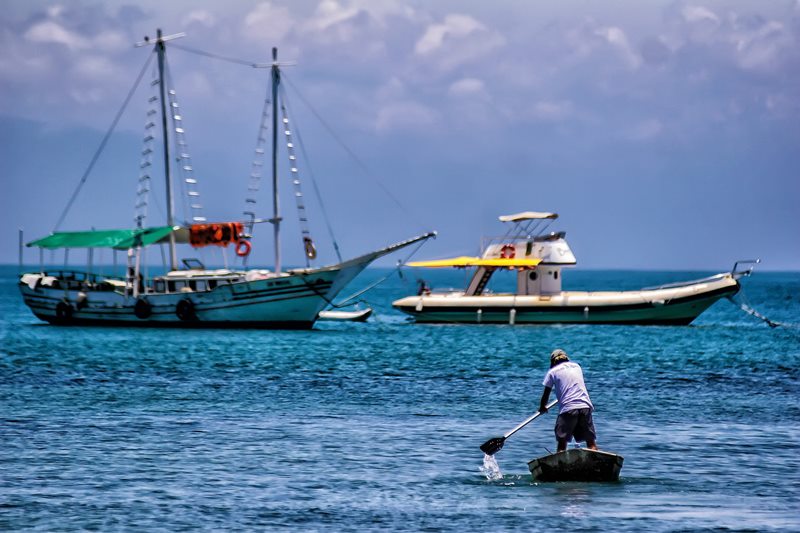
[(492, 446)]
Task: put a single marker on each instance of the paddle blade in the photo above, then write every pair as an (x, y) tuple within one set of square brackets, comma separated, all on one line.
[(492, 446)]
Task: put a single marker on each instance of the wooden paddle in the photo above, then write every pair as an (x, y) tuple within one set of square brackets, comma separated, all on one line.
[(492, 446)]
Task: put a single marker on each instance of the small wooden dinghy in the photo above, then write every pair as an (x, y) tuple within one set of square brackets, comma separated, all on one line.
[(359, 315), (577, 464)]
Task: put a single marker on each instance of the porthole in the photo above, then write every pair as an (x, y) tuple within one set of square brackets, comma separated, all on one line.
[(532, 276)]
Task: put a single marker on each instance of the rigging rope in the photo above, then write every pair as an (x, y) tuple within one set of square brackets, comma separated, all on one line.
[(317, 193), (330, 130), (254, 181), (146, 161), (400, 264), (346, 148), (103, 143), (216, 56), (192, 208), (308, 243)]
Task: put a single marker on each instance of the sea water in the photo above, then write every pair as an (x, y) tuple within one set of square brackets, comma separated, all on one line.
[(490, 468), (378, 425)]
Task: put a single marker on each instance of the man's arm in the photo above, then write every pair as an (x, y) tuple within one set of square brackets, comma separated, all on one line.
[(543, 402)]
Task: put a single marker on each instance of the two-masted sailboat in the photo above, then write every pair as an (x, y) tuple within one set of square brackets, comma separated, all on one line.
[(194, 296), (537, 257)]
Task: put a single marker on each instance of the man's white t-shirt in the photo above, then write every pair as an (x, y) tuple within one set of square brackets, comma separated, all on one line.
[(566, 379)]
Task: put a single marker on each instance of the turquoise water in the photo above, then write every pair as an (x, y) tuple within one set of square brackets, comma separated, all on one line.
[(377, 425)]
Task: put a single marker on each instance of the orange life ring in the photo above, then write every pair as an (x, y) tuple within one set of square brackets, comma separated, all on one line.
[(508, 251), (243, 248)]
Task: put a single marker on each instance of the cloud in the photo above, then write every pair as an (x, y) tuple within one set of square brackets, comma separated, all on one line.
[(746, 41), (330, 13), (590, 41), (110, 41), (200, 16), (762, 47), (467, 87), (551, 111), (394, 89), (699, 14), (619, 41), (645, 130), (654, 51), (457, 40), (267, 23), (361, 23), (454, 27), (95, 67), (52, 32), (403, 115)]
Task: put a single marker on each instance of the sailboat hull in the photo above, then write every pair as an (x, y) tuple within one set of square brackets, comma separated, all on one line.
[(667, 306), (292, 301)]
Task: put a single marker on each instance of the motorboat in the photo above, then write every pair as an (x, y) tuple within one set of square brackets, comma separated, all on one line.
[(538, 257)]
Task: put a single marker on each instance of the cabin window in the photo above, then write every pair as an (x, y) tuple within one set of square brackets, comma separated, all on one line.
[(159, 286), (555, 274), (532, 276), (201, 284), (192, 285), (171, 286), (212, 284)]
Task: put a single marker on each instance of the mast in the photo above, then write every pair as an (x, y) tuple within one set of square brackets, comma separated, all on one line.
[(276, 219), (160, 49)]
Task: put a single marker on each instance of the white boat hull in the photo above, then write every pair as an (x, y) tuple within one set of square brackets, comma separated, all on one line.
[(676, 305), (346, 316)]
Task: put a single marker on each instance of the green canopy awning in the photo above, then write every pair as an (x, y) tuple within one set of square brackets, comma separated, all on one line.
[(121, 239)]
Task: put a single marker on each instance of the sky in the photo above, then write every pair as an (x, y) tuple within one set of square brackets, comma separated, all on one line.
[(666, 134)]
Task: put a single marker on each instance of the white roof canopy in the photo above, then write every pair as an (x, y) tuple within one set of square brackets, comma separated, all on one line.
[(527, 215)]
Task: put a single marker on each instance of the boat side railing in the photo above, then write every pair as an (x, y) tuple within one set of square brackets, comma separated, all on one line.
[(735, 273), (745, 272), (677, 284), (79, 275), (487, 241), (78, 279)]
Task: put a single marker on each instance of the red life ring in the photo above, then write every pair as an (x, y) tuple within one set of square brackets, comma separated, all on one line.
[(243, 248), (508, 251)]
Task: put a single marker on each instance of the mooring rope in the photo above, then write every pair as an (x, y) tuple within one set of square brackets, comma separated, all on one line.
[(752, 312), (346, 301)]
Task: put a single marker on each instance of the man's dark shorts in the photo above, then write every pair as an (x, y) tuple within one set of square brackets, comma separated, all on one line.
[(577, 423)]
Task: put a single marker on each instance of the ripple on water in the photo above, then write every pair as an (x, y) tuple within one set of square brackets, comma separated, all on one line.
[(378, 425)]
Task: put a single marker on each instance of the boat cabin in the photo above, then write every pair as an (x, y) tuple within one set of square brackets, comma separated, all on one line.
[(527, 239)]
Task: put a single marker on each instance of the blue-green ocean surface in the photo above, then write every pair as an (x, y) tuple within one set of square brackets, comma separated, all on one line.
[(377, 425)]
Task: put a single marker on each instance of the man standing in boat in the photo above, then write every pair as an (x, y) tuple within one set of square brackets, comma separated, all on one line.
[(575, 414)]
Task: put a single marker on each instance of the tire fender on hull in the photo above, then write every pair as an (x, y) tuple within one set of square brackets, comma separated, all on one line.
[(185, 310), (64, 311), (142, 309)]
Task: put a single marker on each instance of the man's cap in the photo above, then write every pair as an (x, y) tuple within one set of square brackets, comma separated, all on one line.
[(558, 356)]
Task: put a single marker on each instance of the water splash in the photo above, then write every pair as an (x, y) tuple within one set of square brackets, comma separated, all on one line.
[(490, 468)]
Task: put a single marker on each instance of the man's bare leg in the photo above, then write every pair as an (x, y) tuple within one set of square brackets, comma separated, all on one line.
[(592, 445), (562, 445)]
